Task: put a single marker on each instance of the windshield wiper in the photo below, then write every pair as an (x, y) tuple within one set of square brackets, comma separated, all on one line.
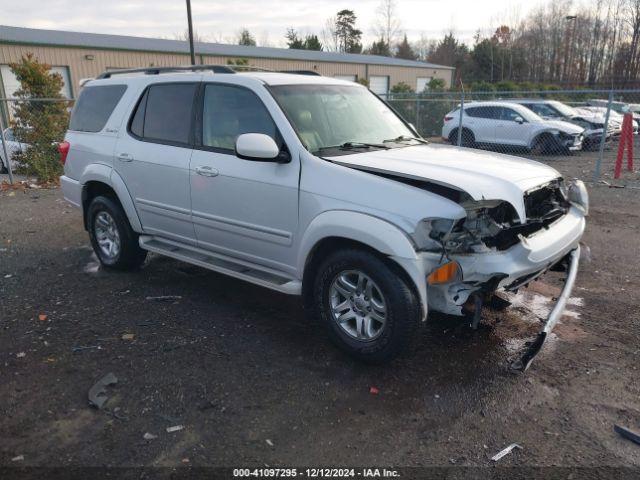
[(405, 138), (354, 145)]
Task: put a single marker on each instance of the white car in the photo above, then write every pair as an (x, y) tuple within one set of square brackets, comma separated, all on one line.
[(513, 125), (13, 147), (313, 186), (592, 122), (615, 118)]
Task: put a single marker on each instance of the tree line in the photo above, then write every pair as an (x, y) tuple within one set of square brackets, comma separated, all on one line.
[(566, 43)]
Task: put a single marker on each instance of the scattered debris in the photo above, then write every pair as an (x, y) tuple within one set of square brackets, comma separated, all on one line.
[(128, 336), (81, 348), (374, 391), (185, 460), (19, 458), (628, 434), (165, 298), (98, 394), (175, 428), (21, 355), (42, 317), (269, 442), (8, 275), (505, 451), (149, 436)]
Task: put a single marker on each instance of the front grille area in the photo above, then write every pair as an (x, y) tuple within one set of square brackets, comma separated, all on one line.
[(545, 202), (543, 206)]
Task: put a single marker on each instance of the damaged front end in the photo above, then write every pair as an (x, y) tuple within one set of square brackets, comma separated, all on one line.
[(493, 248)]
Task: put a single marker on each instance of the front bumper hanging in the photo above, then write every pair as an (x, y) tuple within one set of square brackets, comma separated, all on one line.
[(523, 363)]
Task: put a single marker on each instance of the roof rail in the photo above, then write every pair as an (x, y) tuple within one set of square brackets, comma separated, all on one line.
[(159, 70), (302, 72), (249, 68)]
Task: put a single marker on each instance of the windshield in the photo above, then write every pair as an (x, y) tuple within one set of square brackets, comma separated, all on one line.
[(565, 110), (340, 117)]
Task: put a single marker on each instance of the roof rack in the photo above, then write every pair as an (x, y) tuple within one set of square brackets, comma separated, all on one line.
[(159, 70), (302, 72), (199, 68)]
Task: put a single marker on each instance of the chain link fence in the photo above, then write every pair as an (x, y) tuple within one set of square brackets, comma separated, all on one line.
[(570, 125), (550, 125), (30, 130)]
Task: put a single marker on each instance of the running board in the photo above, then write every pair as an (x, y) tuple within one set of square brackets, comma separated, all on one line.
[(222, 264)]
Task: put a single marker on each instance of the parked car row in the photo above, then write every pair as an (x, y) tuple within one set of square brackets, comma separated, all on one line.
[(502, 123), (540, 126)]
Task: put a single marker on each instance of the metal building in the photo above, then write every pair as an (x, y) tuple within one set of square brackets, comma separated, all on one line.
[(78, 55)]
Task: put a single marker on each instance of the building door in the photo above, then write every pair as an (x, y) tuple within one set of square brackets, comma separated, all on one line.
[(379, 85)]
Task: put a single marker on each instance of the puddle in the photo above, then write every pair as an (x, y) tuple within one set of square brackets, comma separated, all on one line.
[(536, 307)]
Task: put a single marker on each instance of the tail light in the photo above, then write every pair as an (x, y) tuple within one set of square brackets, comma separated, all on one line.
[(63, 148), (447, 118)]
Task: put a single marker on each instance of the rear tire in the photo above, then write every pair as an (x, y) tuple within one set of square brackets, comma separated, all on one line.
[(367, 307), (468, 138), (113, 240)]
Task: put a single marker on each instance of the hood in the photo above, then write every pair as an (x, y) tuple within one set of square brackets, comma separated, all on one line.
[(482, 175), (563, 126), (592, 117)]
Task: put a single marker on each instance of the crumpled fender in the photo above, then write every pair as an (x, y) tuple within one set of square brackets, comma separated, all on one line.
[(375, 232)]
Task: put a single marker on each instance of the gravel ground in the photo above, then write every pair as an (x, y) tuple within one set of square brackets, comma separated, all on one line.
[(254, 383)]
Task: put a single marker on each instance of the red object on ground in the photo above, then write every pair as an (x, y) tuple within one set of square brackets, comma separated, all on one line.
[(374, 391), (626, 140)]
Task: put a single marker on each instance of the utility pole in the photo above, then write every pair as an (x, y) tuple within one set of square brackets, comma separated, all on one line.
[(193, 53), (568, 39)]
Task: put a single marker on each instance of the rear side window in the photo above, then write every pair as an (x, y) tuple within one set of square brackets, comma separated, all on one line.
[(482, 112), (164, 113), (94, 107)]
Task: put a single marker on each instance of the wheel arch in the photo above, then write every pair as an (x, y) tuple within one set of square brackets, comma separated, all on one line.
[(343, 229), (101, 179)]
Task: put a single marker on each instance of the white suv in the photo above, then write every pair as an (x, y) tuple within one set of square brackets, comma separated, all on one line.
[(312, 186), (513, 125)]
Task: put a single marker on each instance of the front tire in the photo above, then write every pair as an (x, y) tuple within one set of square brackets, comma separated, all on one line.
[(113, 240), (367, 307)]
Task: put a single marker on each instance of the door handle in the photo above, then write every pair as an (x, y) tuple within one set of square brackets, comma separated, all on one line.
[(125, 157), (207, 171)]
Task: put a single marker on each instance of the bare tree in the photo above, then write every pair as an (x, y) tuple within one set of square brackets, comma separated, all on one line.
[(330, 38), (387, 24), (197, 37)]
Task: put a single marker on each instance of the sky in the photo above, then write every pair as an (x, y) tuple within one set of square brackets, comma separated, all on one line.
[(268, 20)]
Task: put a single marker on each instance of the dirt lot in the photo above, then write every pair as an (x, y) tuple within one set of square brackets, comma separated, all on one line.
[(254, 384)]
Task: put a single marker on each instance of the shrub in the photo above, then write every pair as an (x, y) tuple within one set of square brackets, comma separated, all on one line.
[(40, 125)]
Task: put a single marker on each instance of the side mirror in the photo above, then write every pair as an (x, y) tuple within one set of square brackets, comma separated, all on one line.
[(519, 120), (258, 147)]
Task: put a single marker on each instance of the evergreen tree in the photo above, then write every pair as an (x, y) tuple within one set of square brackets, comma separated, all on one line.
[(405, 51)]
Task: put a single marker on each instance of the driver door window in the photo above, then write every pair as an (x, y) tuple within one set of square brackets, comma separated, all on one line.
[(230, 111)]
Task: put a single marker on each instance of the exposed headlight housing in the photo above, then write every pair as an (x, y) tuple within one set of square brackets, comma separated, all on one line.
[(577, 194), (431, 233)]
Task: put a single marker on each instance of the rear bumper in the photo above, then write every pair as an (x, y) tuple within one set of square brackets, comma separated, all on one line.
[(71, 190)]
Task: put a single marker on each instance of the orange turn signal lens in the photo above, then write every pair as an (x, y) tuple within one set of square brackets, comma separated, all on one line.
[(444, 274)]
